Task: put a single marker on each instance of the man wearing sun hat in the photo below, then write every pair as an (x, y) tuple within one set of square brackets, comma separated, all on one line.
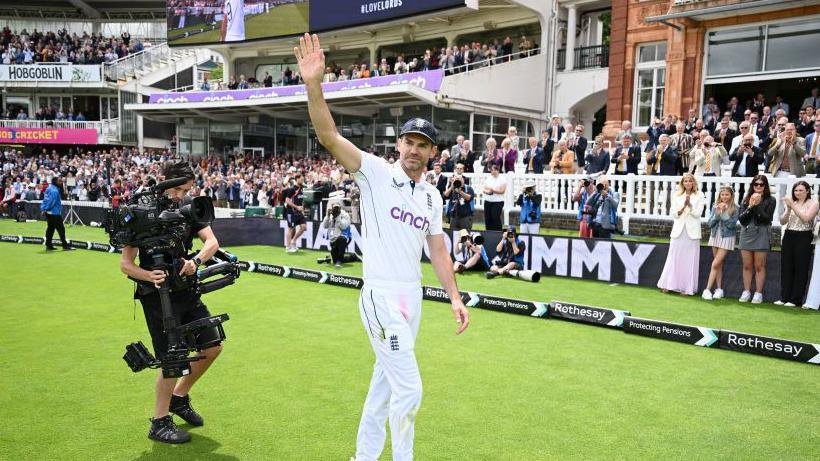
[(530, 214)]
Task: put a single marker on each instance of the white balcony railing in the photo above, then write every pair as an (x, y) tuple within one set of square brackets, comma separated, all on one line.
[(131, 64), (645, 197)]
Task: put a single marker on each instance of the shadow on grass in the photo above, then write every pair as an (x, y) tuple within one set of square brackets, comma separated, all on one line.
[(199, 448)]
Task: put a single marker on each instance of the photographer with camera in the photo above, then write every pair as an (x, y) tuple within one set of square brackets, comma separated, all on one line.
[(586, 188), (172, 395), (509, 254), (747, 158), (603, 210), (470, 253), (337, 223), (295, 214), (460, 201), (530, 203)]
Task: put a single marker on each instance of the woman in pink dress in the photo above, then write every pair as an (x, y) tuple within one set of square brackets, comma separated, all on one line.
[(680, 273)]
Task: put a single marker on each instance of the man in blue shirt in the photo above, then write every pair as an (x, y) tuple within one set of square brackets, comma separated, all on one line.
[(509, 254), (52, 208)]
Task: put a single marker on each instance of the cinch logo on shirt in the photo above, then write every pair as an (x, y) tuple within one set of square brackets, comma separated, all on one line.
[(419, 222)]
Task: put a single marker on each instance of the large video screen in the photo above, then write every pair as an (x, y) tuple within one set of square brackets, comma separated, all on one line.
[(201, 22), (337, 14)]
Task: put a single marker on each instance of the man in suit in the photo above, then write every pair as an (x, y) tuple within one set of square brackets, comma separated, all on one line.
[(534, 157), (724, 135), (736, 109), (554, 134), (813, 149), (779, 104), (813, 100), (439, 179), (457, 150), (709, 157), (578, 144), (746, 157), (597, 161), (627, 156), (626, 129), (786, 154), (653, 134), (664, 159), (682, 142)]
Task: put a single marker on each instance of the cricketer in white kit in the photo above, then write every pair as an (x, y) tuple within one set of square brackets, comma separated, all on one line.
[(400, 212), (233, 21)]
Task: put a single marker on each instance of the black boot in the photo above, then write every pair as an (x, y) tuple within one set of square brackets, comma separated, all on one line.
[(181, 406), (164, 430)]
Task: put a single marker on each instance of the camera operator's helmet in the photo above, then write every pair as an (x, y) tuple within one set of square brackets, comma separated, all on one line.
[(530, 184)]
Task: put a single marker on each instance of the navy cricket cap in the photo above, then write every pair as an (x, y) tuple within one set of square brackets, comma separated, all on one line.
[(419, 126)]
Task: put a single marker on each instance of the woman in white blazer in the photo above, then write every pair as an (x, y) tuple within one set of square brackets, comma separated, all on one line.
[(680, 273)]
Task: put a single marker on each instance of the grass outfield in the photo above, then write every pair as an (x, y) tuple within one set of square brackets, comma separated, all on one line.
[(296, 365), (290, 19)]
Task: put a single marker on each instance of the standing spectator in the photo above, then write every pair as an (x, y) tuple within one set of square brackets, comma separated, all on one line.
[(779, 104), (295, 214), (554, 133), (586, 188), (578, 144), (534, 157), (786, 154), (530, 203), (626, 129), (813, 100), (603, 209), (755, 217), (724, 135), (722, 235), (563, 159), (627, 157), (268, 81), (509, 155), (457, 151), (813, 298), (747, 158), (233, 193), (52, 207), (494, 189), (597, 161), (653, 135), (798, 216), (664, 159), (710, 158), (491, 156), (460, 201), (468, 157), (683, 143), (813, 151), (680, 272)]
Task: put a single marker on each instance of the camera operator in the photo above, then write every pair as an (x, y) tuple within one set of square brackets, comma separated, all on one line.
[(603, 209), (509, 254), (470, 253), (295, 214), (530, 203), (337, 223), (460, 200), (172, 395)]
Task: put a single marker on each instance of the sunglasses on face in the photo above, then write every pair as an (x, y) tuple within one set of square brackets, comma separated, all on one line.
[(759, 184)]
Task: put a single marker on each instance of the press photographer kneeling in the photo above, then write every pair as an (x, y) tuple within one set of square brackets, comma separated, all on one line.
[(509, 254), (154, 227), (337, 223), (470, 253)]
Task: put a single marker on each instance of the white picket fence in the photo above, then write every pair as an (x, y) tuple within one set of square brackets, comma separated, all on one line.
[(645, 197)]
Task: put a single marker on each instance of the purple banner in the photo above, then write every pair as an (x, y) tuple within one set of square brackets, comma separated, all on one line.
[(428, 80)]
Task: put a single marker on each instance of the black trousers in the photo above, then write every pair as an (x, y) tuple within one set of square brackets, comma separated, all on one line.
[(492, 215), (795, 264), (55, 222), (337, 249)]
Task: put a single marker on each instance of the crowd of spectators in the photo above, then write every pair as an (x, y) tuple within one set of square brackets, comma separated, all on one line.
[(64, 47), (113, 174), (452, 59)]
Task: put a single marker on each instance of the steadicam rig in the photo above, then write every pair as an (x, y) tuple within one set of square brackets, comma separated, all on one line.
[(182, 338)]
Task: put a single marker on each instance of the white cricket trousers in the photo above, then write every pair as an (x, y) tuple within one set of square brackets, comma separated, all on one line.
[(391, 315)]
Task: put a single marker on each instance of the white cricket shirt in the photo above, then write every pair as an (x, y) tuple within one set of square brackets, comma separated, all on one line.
[(235, 15), (397, 215)]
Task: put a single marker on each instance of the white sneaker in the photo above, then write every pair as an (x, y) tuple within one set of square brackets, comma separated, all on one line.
[(292, 250), (718, 294), (788, 304), (778, 303), (707, 295), (807, 307), (745, 297), (758, 298)]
